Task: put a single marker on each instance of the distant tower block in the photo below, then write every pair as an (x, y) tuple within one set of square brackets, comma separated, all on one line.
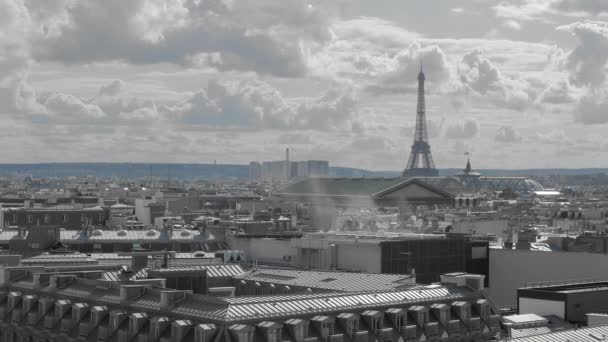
[(421, 162)]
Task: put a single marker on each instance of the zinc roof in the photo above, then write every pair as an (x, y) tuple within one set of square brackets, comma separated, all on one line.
[(333, 281), (242, 309), (128, 235), (595, 334)]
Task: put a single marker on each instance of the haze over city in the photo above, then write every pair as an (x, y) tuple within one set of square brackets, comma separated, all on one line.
[(518, 84)]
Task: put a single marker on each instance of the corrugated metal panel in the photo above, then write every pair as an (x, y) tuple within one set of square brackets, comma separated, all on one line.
[(335, 281), (595, 334)]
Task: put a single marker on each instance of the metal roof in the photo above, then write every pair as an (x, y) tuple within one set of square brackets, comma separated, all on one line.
[(376, 187), (595, 334), (59, 208), (75, 236), (243, 309), (58, 258), (213, 271), (333, 281)]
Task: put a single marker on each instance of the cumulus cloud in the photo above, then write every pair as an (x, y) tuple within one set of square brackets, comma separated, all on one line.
[(507, 134), (112, 89), (587, 62), (55, 107), (478, 73), (257, 105), (580, 7), (553, 137), (465, 129), (334, 109), (512, 24), (360, 49), (264, 36), (593, 108), (558, 93), (540, 10), (245, 104), (430, 58)]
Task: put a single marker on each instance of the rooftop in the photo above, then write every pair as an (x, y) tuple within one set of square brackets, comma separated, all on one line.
[(573, 287), (243, 309), (596, 334), (341, 186), (331, 281)]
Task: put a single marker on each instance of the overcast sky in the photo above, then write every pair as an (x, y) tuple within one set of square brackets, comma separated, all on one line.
[(518, 84)]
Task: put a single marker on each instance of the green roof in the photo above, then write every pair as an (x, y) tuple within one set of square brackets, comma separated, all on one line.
[(341, 186)]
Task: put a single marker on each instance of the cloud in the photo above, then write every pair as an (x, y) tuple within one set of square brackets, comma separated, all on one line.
[(478, 73), (543, 10), (112, 89), (266, 36), (360, 49), (553, 137), (333, 110), (581, 7), (558, 93), (61, 108), (512, 24), (507, 134), (69, 106), (371, 143), (587, 62), (465, 129), (430, 58), (294, 139), (255, 105), (592, 108), (245, 105), (527, 10)]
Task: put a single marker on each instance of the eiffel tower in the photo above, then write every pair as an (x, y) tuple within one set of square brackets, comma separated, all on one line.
[(421, 162)]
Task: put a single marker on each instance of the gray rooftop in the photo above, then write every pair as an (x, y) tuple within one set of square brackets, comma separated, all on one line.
[(331, 281), (243, 309), (595, 334)]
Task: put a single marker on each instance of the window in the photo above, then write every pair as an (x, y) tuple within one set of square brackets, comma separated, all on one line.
[(65, 218), (30, 218), (47, 219), (35, 245)]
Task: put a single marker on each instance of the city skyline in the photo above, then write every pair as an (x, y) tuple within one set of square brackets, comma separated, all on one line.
[(518, 85)]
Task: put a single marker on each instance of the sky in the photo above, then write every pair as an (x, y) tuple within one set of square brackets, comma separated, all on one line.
[(517, 84)]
